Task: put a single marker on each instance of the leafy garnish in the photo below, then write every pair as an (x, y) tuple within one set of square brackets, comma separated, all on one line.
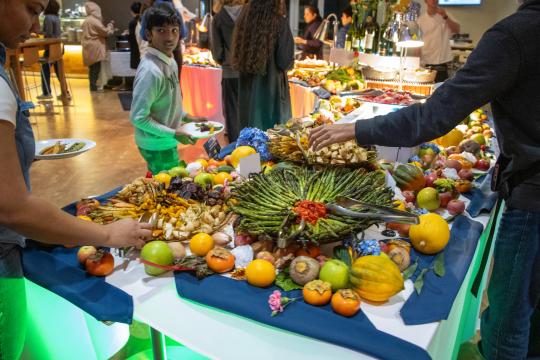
[(198, 264), (438, 267), (284, 281), (410, 270), (419, 283), (342, 253)]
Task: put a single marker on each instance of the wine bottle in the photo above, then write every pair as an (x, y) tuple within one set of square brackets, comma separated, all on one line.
[(370, 41)]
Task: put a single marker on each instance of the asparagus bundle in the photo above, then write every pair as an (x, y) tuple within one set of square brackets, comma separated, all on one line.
[(279, 204)]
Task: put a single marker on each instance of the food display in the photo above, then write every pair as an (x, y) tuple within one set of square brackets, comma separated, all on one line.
[(197, 56), (291, 144), (389, 97), (343, 79), (309, 76), (312, 64), (62, 148)]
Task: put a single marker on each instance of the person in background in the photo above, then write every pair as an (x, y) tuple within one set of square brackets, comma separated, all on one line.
[(221, 45), (94, 36), (156, 110), (311, 48), (262, 52), (22, 214), (346, 21), (187, 15), (183, 30), (51, 30), (135, 55), (501, 70), (142, 44), (437, 29)]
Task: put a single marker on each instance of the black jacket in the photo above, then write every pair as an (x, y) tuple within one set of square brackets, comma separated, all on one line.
[(503, 70), (264, 100), (135, 56), (313, 47), (222, 34)]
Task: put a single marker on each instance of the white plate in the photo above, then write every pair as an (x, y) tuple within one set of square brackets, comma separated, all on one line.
[(40, 145), (192, 130)]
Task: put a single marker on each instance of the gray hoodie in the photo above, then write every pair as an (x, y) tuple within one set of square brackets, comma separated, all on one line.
[(222, 33)]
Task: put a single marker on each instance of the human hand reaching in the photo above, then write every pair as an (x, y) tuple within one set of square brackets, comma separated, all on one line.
[(128, 232), (327, 135)]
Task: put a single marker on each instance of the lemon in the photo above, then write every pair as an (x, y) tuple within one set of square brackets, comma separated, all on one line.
[(431, 235), (240, 153), (163, 178)]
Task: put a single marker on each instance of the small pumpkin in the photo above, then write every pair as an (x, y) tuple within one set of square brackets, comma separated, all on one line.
[(409, 177), (376, 278)]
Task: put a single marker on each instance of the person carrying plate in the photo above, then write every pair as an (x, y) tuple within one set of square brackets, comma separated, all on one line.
[(156, 110), (23, 215)]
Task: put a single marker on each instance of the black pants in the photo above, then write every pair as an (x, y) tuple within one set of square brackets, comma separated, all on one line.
[(442, 71), (93, 75), (46, 77), (229, 96)]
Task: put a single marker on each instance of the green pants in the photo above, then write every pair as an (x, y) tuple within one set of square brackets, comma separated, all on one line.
[(160, 160), (12, 303)]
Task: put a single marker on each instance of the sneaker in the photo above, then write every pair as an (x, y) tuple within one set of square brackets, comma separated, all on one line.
[(45, 97)]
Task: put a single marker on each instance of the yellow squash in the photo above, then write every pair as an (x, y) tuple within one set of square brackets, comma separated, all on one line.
[(376, 278)]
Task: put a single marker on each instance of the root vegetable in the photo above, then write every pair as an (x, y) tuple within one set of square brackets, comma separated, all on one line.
[(265, 255), (221, 238), (401, 257), (304, 269)]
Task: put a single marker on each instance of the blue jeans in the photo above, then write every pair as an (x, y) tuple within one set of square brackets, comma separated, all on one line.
[(514, 288)]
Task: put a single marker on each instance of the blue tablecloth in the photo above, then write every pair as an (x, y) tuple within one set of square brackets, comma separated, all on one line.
[(58, 270), (438, 294), (356, 333)]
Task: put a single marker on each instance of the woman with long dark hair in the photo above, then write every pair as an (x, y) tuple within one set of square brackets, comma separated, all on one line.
[(262, 52), (311, 47)]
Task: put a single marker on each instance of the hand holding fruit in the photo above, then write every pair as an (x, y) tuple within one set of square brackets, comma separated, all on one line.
[(183, 137), (128, 232), (326, 135)]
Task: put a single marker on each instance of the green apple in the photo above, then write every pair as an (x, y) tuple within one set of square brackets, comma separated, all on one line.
[(204, 179), (428, 198), (159, 253), (179, 171), (336, 272)]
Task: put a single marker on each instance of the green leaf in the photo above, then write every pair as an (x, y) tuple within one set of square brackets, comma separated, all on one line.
[(284, 281), (182, 163), (419, 283), (439, 265), (342, 253), (410, 270)]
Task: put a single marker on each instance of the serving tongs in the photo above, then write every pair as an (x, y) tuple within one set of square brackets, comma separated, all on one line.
[(359, 210)]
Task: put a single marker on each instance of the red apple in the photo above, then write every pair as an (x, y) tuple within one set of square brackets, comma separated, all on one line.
[(466, 174), (456, 207), (431, 178), (445, 198), (482, 164), (409, 195)]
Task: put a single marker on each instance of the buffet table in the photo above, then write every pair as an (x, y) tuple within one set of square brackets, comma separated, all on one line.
[(303, 100), (215, 333), (201, 91)]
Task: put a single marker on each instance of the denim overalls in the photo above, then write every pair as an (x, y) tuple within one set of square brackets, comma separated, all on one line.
[(10, 241)]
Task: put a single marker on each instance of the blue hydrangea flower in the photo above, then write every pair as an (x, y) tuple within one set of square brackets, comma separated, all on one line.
[(257, 139), (421, 211), (368, 247), (431, 146), (415, 158)]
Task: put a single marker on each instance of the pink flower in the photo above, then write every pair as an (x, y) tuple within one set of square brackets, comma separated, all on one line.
[(275, 302), (278, 303)]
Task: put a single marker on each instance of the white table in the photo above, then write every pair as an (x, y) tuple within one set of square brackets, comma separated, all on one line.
[(217, 334)]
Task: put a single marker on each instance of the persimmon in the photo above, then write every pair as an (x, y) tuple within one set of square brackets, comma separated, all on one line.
[(311, 251), (100, 264), (317, 292), (220, 260), (346, 302)]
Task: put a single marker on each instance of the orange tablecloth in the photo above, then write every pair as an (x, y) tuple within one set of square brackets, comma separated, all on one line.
[(302, 100), (201, 91)]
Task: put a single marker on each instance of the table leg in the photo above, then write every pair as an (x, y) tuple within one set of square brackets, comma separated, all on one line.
[(17, 73), (159, 349), (63, 82)]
